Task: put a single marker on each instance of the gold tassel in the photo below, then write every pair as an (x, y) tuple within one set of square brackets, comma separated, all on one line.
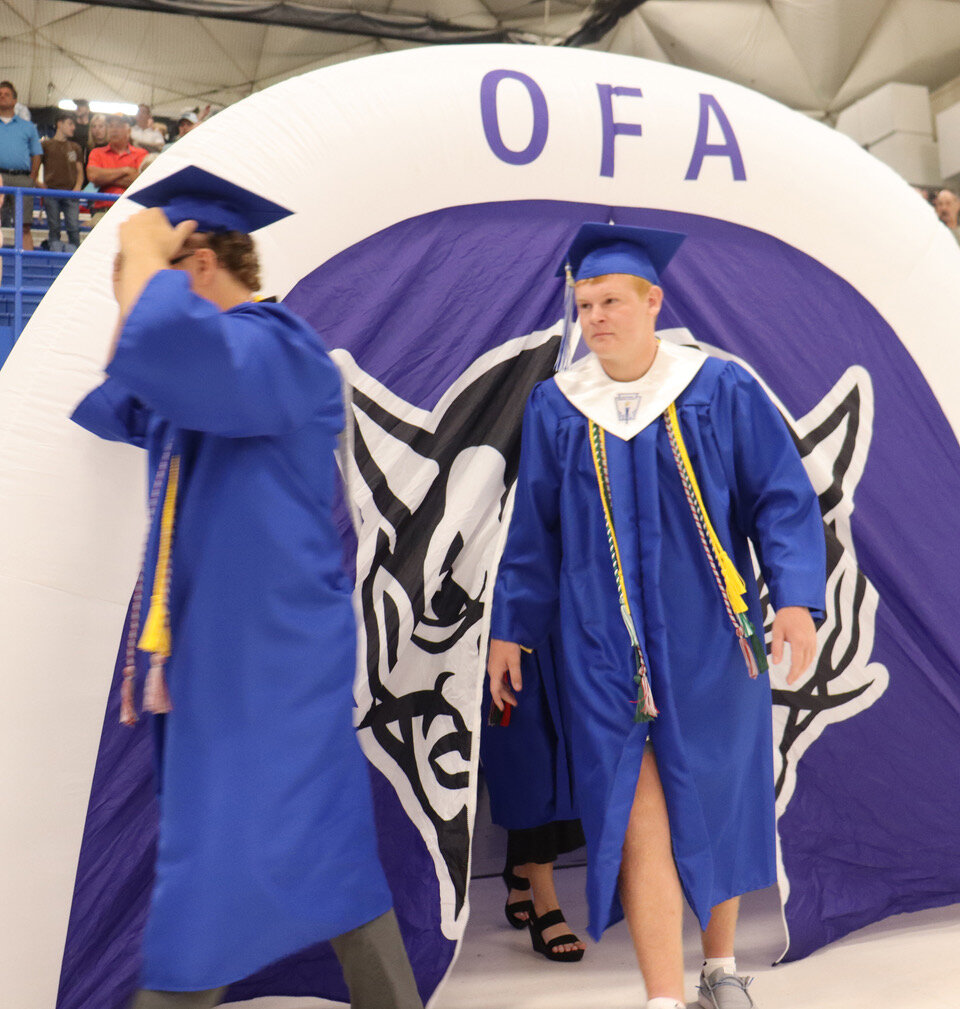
[(735, 585), (731, 577), (156, 637), (156, 631), (156, 628)]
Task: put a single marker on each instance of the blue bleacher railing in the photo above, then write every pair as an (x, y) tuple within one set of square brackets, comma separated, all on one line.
[(33, 271)]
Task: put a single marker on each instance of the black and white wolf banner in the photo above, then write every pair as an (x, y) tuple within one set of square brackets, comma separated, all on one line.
[(440, 363), (471, 322), (438, 188)]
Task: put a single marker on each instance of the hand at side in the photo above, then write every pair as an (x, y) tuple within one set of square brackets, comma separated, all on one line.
[(503, 667), (794, 626)]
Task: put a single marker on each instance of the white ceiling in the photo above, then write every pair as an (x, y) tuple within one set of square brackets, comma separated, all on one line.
[(814, 55)]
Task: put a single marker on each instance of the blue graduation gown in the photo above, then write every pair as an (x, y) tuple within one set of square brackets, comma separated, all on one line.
[(713, 736), (267, 841), (526, 763)]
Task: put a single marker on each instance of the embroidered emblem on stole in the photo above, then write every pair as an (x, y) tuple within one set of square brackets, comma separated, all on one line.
[(628, 403)]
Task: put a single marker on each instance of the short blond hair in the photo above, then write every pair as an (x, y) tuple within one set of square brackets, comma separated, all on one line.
[(641, 284)]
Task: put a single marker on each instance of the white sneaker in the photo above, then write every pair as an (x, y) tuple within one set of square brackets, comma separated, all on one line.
[(720, 990)]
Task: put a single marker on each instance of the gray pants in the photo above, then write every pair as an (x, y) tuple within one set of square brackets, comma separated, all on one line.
[(374, 963), (70, 209)]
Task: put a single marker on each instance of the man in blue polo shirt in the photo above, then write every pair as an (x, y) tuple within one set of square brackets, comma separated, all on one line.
[(20, 154)]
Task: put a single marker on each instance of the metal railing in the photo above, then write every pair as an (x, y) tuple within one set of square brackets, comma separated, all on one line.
[(19, 255)]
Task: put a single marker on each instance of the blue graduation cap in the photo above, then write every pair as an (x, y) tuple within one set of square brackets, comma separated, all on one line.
[(193, 194), (599, 249)]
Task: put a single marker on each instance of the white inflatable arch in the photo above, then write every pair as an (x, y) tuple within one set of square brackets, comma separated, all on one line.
[(433, 191)]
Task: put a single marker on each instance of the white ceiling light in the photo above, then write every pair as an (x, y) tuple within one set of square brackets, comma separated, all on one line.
[(107, 108)]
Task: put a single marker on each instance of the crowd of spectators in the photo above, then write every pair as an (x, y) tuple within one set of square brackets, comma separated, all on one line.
[(85, 151), (107, 152)]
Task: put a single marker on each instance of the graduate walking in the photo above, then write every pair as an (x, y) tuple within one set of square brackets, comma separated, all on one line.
[(645, 470), (242, 614)]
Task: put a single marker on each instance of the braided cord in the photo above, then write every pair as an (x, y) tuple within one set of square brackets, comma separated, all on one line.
[(128, 713), (646, 708), (729, 582)]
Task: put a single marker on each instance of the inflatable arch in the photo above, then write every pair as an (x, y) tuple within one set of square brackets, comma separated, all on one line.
[(433, 192)]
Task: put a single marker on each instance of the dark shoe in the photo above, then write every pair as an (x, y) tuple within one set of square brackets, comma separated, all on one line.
[(518, 906), (549, 947)]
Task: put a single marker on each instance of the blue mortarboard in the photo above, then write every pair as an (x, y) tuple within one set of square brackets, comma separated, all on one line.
[(599, 249), (193, 194)]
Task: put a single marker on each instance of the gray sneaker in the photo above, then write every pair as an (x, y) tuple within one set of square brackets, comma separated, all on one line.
[(721, 990)]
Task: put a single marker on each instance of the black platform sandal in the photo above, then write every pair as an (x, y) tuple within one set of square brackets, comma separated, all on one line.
[(549, 948), (518, 906)]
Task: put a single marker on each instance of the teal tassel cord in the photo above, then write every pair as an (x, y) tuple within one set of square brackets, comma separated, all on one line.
[(757, 646)]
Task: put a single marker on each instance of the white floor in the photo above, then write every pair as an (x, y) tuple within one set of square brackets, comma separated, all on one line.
[(906, 962)]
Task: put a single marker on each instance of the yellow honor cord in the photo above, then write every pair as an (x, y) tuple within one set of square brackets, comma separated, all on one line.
[(736, 587), (625, 602), (156, 628)]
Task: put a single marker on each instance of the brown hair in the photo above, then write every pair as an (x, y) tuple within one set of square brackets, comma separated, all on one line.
[(641, 284), (235, 252)]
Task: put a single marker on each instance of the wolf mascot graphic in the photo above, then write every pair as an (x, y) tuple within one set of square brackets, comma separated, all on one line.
[(431, 489)]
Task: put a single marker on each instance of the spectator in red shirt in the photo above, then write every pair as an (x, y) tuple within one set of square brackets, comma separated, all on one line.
[(114, 167)]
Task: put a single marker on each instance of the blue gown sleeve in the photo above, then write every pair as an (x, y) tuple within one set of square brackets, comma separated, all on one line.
[(528, 579), (774, 502), (237, 374), (111, 412)]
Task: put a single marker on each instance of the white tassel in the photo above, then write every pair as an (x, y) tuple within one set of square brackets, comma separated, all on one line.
[(567, 345)]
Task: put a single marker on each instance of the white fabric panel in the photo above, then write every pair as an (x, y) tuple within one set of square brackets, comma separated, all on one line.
[(559, 27), (365, 47), (42, 12), (509, 11), (816, 55), (893, 108), (374, 6), (827, 36), (913, 157), (948, 137), (287, 51), (237, 54), (916, 42), (738, 39), (12, 24), (470, 13), (633, 37)]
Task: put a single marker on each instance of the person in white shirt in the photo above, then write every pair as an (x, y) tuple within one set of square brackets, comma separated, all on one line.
[(144, 132)]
